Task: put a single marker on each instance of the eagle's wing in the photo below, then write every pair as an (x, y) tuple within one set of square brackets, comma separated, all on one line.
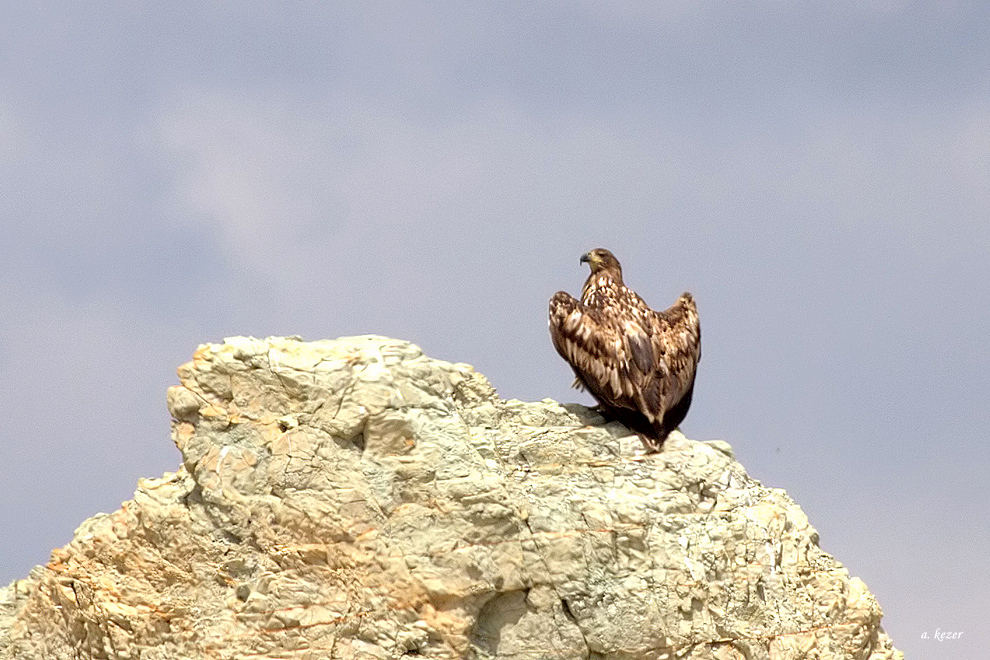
[(676, 336), (611, 352)]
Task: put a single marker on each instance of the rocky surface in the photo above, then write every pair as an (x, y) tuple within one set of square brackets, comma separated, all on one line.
[(357, 499)]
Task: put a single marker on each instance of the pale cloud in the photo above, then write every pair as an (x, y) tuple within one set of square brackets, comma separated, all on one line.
[(281, 179), (288, 185)]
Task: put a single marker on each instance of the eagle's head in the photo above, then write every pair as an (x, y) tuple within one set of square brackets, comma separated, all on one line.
[(601, 259)]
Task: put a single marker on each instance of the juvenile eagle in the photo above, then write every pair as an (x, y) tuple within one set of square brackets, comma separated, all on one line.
[(639, 364)]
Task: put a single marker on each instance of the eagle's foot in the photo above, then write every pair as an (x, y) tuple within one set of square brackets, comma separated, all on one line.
[(650, 444)]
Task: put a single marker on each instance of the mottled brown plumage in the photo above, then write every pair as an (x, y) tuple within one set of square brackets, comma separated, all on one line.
[(638, 363)]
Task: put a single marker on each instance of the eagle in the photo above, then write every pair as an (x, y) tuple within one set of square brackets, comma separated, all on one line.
[(638, 363)]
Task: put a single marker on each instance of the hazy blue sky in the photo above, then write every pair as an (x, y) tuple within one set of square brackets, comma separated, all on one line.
[(817, 174)]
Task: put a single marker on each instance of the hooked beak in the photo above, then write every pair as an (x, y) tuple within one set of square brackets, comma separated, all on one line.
[(585, 258)]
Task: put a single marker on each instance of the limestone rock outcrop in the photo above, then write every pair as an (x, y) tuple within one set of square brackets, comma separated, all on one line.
[(356, 499)]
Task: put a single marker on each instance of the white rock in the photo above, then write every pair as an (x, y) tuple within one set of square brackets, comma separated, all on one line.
[(356, 497)]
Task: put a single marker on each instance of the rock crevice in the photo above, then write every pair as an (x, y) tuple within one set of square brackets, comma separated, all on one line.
[(357, 499)]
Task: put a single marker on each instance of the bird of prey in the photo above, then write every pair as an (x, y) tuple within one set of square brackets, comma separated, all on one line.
[(638, 363)]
